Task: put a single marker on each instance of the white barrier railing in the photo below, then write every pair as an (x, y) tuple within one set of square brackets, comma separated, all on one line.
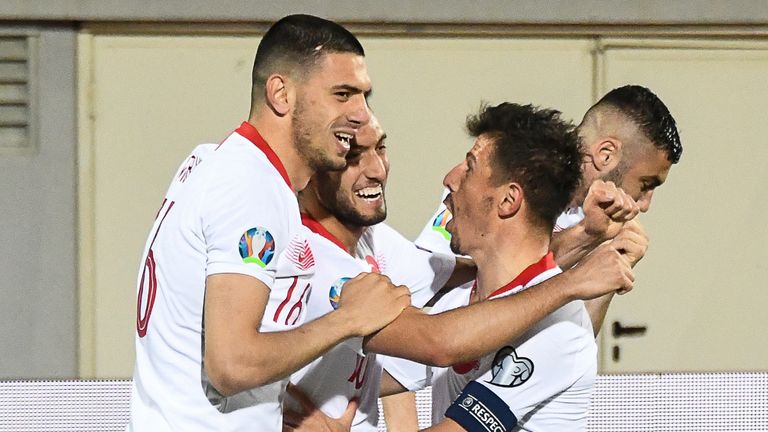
[(631, 403)]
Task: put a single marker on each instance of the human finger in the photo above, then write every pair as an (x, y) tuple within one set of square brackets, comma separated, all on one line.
[(627, 275), (349, 414), (602, 193)]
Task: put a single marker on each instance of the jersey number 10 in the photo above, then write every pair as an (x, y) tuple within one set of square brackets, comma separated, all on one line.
[(149, 277)]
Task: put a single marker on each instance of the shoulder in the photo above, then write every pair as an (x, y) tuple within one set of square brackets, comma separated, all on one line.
[(383, 231)]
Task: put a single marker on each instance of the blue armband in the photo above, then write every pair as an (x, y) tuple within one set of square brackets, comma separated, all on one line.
[(478, 409)]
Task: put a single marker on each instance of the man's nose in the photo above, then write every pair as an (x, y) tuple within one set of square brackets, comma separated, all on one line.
[(375, 168), (451, 180), (359, 113), (645, 202)]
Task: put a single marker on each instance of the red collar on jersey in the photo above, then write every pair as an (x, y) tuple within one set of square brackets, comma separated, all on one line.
[(251, 134), (317, 228), (545, 263)]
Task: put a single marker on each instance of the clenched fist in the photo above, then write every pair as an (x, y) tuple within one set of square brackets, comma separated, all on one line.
[(632, 241), (372, 301), (603, 271), (606, 209)]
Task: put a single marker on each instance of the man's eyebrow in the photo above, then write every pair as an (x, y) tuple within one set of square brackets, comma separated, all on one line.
[(347, 87)]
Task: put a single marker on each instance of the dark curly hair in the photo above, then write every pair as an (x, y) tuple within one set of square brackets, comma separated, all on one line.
[(651, 116), (535, 148)]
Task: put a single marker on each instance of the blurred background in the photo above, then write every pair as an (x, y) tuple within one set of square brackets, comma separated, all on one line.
[(100, 101)]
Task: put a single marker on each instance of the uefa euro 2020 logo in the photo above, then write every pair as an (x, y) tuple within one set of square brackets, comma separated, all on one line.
[(440, 221), (257, 246), (510, 369), (335, 294)]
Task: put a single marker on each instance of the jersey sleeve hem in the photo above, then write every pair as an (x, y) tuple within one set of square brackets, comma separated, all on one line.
[(261, 275)]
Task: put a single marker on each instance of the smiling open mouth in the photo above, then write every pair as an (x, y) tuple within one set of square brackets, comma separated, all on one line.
[(344, 138), (370, 193)]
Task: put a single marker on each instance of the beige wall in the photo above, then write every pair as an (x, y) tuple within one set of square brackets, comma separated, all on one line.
[(702, 287), (148, 99)]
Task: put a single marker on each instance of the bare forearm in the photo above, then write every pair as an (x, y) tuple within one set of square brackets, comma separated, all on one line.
[(571, 245), (238, 357), (400, 412), (597, 309), (263, 358), (468, 333)]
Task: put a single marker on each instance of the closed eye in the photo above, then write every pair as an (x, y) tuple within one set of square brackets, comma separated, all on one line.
[(650, 184)]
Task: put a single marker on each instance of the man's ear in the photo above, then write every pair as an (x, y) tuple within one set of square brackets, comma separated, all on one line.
[(511, 200), (278, 94), (606, 154)]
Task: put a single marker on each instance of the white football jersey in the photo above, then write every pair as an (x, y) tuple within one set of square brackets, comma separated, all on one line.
[(423, 272), (415, 376), (568, 218), (434, 237), (540, 381), (229, 209), (345, 372)]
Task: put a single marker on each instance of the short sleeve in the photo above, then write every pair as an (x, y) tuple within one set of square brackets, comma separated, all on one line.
[(245, 220), (524, 376)]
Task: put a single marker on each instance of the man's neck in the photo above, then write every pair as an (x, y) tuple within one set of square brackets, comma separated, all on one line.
[(506, 257), (346, 234), (280, 140)]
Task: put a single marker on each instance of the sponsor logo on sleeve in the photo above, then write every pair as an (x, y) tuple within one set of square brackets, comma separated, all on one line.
[(257, 246), (299, 252), (335, 294), (509, 369), (438, 224)]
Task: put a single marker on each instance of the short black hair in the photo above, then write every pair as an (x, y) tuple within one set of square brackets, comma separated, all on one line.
[(651, 116), (295, 43), (535, 148)]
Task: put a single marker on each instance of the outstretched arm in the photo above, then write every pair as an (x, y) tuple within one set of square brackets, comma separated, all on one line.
[(238, 357), (468, 333)]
